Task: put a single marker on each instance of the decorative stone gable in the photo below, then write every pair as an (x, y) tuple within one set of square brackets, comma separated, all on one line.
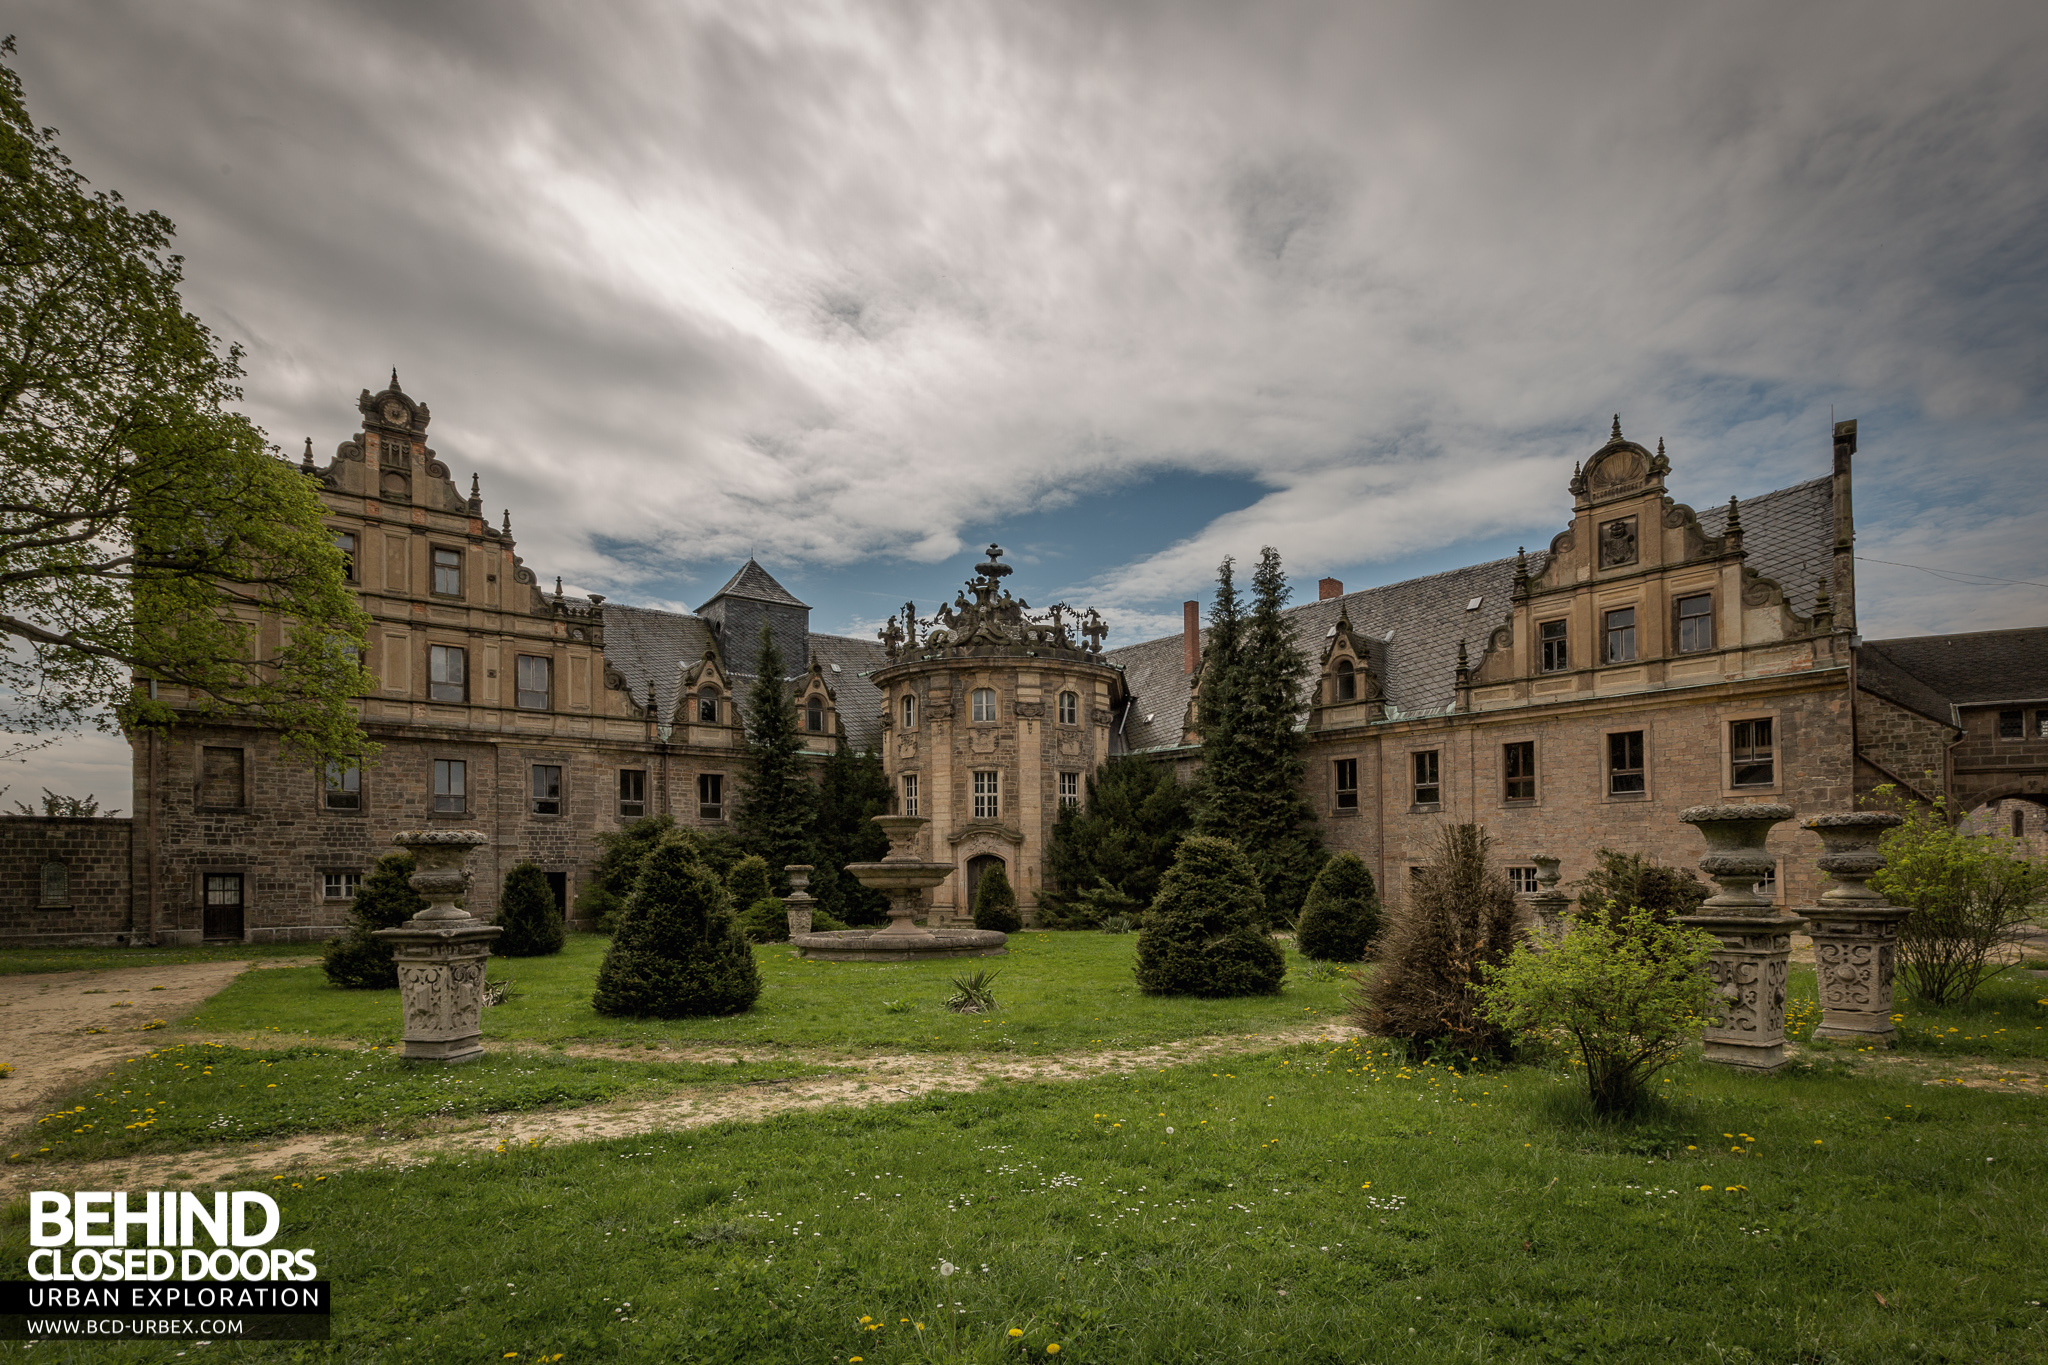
[(817, 709), (1348, 691)]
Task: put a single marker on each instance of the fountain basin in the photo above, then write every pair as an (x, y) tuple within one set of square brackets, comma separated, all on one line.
[(906, 878)]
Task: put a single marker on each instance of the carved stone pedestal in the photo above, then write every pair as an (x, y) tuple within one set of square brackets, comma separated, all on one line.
[(1547, 904), (1855, 931), (1750, 966), (441, 952), (798, 903)]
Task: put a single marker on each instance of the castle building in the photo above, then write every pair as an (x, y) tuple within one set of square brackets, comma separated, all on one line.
[(1650, 658)]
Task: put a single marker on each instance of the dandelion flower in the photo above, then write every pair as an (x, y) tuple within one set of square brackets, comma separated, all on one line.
[(1016, 1331), (1052, 1348)]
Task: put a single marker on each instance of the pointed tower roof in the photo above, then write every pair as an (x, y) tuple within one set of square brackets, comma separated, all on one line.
[(756, 584)]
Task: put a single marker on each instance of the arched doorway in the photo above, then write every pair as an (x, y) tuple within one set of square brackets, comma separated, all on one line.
[(976, 866)]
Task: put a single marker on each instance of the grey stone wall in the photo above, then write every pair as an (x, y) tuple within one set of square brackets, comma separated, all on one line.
[(95, 906)]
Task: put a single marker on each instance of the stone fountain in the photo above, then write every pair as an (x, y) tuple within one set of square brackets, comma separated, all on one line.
[(905, 878), (1855, 930), (442, 951), (1755, 942)]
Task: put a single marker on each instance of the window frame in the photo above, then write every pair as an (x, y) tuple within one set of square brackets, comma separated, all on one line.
[(435, 568), (1346, 680), (441, 653), (520, 691), (1771, 744), (1680, 620), (1560, 661), (1618, 773), (909, 709), (63, 879), (545, 803), (2019, 725), (1070, 708), (350, 553), (1344, 785), (448, 789), (975, 710), (987, 791), (908, 787), (341, 876), (1522, 877), (330, 788), (1622, 636), (1416, 786), (814, 715), (707, 706), (1069, 788), (711, 784), (1518, 764), (638, 799)]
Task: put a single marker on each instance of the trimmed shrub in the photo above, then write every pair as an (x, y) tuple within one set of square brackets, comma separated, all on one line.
[(677, 951), (1459, 920), (748, 882), (995, 903), (355, 961), (527, 914), (1619, 882), (766, 920), (1205, 933), (1341, 916)]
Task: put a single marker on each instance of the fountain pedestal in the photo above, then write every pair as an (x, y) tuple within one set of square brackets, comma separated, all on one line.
[(905, 878), (1750, 966), (441, 952), (1855, 930)]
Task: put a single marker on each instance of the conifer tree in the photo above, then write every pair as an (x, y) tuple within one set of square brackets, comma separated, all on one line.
[(778, 801), (1205, 933), (355, 961), (748, 881), (995, 902), (1341, 916), (1121, 839), (527, 914), (851, 792), (677, 952)]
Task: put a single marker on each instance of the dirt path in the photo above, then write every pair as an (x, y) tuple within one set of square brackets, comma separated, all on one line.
[(872, 1079)]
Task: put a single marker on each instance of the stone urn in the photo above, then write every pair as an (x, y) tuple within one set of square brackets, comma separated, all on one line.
[(1855, 930), (797, 904), (1547, 902), (442, 951), (1753, 959)]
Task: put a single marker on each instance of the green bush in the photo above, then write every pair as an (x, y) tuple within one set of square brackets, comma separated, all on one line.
[(766, 919), (995, 903), (355, 961), (1627, 986), (677, 951), (1460, 918), (526, 912), (1205, 932), (748, 881), (1620, 882), (1341, 917)]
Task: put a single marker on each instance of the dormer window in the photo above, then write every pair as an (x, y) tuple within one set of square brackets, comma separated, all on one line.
[(1347, 681), (814, 715), (909, 712), (707, 706)]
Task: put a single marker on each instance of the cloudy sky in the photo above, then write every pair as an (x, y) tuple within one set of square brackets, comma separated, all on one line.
[(858, 287)]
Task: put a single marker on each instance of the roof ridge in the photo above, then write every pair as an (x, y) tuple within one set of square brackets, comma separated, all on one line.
[(1959, 635)]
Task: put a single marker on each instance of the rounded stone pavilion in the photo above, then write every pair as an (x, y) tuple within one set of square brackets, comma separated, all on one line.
[(994, 716)]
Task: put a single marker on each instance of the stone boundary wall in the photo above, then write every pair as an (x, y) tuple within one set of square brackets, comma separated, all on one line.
[(90, 904)]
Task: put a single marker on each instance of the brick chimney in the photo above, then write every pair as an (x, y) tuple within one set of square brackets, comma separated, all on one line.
[(1191, 635), (1329, 588)]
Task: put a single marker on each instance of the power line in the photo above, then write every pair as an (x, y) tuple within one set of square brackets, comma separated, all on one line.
[(1956, 575)]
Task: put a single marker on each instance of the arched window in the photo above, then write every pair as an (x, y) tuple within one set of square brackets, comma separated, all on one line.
[(707, 706), (985, 703), (56, 883), (1347, 681), (909, 712), (814, 715), (1070, 708)]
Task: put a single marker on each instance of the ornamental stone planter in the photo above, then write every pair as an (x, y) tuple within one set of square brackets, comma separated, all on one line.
[(441, 952), (797, 904), (1855, 930), (1547, 902), (905, 877), (1749, 967)]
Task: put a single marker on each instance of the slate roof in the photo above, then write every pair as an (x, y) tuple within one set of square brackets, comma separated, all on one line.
[(1876, 673), (858, 701), (1980, 666), (757, 584), (1788, 534)]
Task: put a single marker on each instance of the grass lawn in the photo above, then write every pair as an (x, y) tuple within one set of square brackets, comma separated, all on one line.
[(1301, 1205), (1059, 992), (17, 961)]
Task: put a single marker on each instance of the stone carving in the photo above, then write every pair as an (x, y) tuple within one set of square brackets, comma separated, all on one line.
[(1855, 931), (1617, 542), (797, 905), (1749, 967), (984, 616), (1618, 471), (441, 953), (1758, 591)]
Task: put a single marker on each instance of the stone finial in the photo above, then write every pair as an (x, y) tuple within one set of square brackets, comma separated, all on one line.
[(1615, 435), (1823, 605), (306, 460), (1464, 661), (508, 522), (558, 589), (1521, 571), (394, 380)]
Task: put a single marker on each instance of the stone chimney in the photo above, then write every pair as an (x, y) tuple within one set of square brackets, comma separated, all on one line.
[(1329, 588), (1191, 635)]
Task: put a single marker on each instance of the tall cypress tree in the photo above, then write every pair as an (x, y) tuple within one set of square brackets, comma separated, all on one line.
[(778, 800), (1252, 740), (852, 790)]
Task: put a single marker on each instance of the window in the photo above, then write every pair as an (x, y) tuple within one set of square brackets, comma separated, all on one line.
[(220, 778), (340, 886), (1347, 784), (988, 798), (2019, 828), (447, 572), (533, 674), (1767, 885), (909, 791), (1625, 764), (1070, 789), (344, 786), (632, 793), (1523, 879), (1347, 681), (2012, 725), (2040, 722), (1556, 658), (814, 715), (447, 673), (707, 706), (345, 541), (1695, 623), (56, 883), (985, 703), (1750, 754), (547, 789), (451, 786), (1428, 789), (1518, 768), (1621, 635), (1070, 708), (395, 451), (710, 796), (909, 712)]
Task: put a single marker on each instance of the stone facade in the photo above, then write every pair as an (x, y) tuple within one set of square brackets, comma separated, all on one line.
[(65, 880)]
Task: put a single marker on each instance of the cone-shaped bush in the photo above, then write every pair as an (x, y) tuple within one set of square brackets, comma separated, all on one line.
[(995, 902), (767, 919), (1204, 934), (527, 914), (748, 882), (1460, 919), (677, 951), (355, 961), (1341, 916)]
